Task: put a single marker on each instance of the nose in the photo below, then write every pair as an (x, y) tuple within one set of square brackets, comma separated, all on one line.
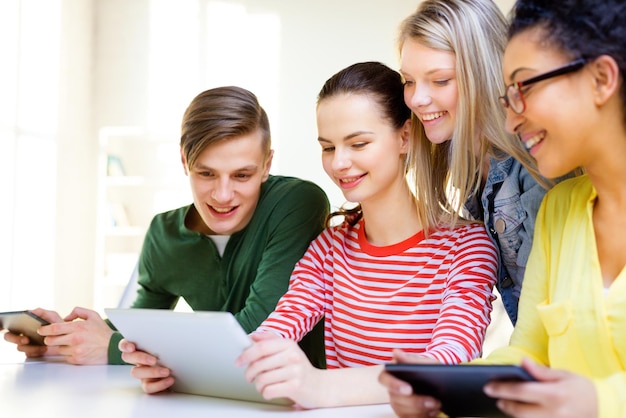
[(513, 121), (341, 159), (223, 191), (416, 97)]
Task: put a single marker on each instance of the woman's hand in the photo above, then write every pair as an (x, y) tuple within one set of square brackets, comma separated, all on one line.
[(557, 393), (154, 378), (279, 369), (404, 402)]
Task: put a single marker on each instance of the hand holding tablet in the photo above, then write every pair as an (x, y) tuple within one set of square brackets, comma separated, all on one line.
[(459, 388)]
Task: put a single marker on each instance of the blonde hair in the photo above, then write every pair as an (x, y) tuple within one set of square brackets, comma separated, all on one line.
[(475, 31)]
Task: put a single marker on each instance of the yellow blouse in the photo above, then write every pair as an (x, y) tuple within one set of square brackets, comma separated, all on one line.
[(567, 319)]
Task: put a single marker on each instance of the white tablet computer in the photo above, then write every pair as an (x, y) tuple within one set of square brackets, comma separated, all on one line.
[(199, 347)]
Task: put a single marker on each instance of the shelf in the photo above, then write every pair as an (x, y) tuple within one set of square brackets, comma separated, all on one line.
[(140, 175), (124, 181), (125, 231), (118, 268)]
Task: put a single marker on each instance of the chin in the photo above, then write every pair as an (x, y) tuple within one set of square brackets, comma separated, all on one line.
[(551, 172), (438, 139), (222, 229)]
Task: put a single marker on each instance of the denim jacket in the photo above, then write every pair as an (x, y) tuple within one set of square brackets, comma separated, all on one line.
[(510, 200)]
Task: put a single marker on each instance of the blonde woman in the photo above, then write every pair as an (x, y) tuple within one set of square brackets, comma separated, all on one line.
[(451, 62)]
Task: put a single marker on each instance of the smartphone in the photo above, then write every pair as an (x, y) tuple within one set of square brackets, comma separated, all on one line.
[(24, 323)]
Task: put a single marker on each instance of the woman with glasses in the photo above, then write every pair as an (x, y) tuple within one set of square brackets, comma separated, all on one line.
[(566, 101), (451, 54)]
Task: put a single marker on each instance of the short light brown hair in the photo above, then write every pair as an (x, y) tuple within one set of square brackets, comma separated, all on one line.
[(220, 114)]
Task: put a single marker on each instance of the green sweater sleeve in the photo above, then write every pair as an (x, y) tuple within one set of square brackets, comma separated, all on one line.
[(115, 355)]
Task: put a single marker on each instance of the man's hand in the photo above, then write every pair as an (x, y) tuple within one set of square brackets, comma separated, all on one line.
[(82, 337), (154, 378), (23, 342)]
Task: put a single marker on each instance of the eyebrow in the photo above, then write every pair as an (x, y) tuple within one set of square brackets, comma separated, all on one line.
[(347, 137), (251, 167), (517, 70), (434, 70)]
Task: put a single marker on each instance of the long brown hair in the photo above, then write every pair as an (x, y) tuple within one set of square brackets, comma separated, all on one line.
[(380, 82)]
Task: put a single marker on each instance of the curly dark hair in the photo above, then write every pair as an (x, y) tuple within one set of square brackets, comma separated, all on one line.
[(580, 28)]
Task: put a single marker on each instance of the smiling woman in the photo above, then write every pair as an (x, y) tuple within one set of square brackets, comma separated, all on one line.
[(479, 170)]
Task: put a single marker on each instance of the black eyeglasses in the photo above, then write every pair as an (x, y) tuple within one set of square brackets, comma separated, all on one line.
[(514, 97)]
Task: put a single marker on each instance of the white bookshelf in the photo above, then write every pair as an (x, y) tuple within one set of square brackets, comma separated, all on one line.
[(139, 175)]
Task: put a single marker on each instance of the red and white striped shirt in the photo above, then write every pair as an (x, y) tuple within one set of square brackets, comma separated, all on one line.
[(429, 296)]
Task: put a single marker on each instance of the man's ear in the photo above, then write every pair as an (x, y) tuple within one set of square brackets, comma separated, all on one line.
[(606, 78), (183, 160), (268, 165)]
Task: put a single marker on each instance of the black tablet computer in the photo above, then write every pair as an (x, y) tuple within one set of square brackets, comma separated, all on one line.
[(459, 388), (23, 322)]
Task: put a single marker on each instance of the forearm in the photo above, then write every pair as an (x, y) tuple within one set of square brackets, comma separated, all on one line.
[(350, 386)]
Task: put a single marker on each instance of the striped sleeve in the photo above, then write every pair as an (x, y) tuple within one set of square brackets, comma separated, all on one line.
[(302, 306), (466, 304)]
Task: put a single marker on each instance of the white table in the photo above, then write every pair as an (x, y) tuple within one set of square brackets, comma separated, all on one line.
[(52, 389)]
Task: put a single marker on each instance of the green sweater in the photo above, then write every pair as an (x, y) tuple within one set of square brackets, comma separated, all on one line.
[(253, 272)]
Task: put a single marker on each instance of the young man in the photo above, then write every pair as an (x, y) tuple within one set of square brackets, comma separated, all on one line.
[(232, 250)]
